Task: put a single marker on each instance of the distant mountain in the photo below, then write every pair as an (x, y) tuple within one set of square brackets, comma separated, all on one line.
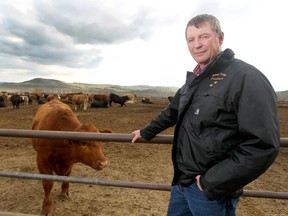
[(56, 86), (43, 83)]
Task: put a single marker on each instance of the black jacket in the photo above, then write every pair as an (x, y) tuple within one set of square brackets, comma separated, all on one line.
[(227, 127)]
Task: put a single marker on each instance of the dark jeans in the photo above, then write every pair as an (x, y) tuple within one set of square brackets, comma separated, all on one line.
[(191, 201)]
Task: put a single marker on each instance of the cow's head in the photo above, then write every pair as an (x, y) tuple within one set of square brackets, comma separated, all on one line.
[(90, 152)]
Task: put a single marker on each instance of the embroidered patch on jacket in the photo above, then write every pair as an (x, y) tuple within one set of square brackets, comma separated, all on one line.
[(197, 111), (215, 78)]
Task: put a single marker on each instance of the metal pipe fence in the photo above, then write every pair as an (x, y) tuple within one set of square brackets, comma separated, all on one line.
[(127, 184), (106, 137), (110, 137)]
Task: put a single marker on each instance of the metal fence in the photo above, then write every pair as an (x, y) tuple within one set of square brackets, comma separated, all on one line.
[(110, 137)]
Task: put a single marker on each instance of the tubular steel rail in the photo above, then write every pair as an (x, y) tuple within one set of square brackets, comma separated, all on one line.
[(127, 184), (110, 137)]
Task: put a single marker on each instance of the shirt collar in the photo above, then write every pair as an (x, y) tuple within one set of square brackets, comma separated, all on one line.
[(197, 70)]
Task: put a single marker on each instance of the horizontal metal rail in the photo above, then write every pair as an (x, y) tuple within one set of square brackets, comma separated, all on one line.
[(102, 182), (108, 137), (127, 184)]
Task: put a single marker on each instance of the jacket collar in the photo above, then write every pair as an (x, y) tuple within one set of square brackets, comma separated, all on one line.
[(221, 58)]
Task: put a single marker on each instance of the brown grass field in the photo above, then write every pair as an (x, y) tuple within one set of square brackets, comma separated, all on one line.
[(149, 163)]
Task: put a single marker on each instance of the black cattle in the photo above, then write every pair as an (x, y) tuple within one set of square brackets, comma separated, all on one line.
[(99, 104), (118, 99), (2, 102), (41, 100), (16, 100)]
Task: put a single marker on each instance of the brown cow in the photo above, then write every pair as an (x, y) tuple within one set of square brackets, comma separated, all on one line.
[(56, 155), (53, 96), (101, 97), (80, 100)]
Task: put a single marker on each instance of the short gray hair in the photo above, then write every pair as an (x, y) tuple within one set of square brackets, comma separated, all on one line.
[(203, 18)]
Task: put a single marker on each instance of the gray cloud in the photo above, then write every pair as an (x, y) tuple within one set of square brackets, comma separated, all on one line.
[(41, 44), (51, 33), (93, 24)]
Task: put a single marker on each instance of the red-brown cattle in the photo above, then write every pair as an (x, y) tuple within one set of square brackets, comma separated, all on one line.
[(69, 96), (53, 96), (80, 101), (58, 156), (101, 97)]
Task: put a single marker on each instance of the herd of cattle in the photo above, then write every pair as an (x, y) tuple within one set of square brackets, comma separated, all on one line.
[(77, 100), (55, 114)]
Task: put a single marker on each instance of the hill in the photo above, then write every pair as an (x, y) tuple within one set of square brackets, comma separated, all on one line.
[(56, 86)]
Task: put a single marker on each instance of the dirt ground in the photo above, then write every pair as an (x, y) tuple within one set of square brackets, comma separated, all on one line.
[(149, 163)]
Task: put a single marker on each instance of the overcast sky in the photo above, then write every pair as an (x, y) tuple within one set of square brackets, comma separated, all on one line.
[(133, 42)]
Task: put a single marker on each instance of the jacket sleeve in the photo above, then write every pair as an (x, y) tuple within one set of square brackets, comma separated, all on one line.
[(165, 119), (256, 108)]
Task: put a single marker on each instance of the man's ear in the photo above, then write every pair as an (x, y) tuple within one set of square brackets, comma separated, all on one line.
[(221, 38)]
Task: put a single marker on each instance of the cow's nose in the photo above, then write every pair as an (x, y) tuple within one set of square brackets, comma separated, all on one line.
[(102, 164)]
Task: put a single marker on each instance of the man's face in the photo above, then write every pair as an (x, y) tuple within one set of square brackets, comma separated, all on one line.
[(203, 43)]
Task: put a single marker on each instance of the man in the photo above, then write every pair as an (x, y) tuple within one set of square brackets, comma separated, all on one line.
[(227, 131)]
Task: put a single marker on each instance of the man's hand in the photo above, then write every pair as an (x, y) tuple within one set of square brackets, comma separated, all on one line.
[(137, 135), (198, 182)]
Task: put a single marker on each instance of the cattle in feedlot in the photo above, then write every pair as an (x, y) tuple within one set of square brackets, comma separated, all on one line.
[(118, 99), (59, 155), (127, 162), (80, 101)]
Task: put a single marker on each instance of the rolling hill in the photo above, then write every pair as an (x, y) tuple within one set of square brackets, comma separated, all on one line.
[(56, 86)]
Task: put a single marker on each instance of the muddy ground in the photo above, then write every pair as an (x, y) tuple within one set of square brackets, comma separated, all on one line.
[(150, 163)]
